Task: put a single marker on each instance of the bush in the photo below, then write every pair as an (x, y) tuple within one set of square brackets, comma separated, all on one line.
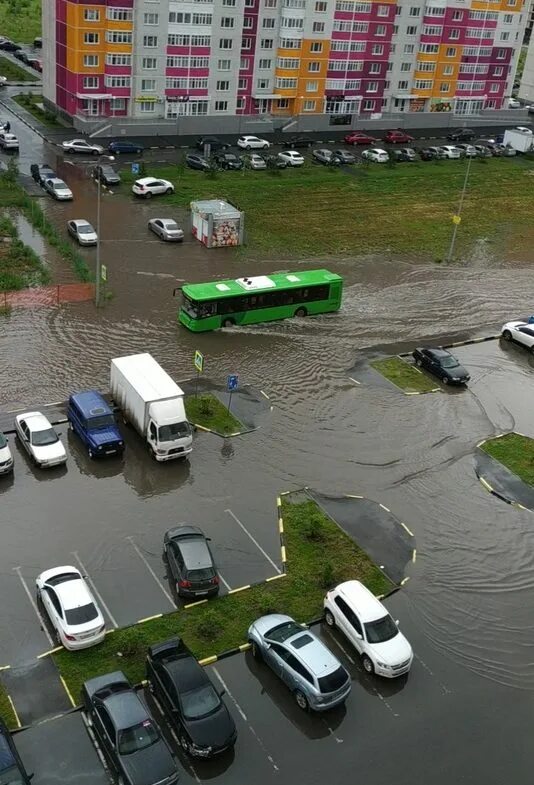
[(328, 576), (314, 530), (209, 626), (206, 405)]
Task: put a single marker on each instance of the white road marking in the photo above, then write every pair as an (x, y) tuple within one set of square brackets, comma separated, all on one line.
[(228, 587), (90, 580), (256, 543), (338, 740), (151, 571), (445, 689), (354, 380), (34, 606), (345, 652), (244, 716), (99, 752), (188, 763)]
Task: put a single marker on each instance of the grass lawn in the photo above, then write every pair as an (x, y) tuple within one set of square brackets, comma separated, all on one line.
[(403, 375), (20, 266), (408, 208), (29, 101), (515, 452), (206, 410), (13, 73), (6, 710), (319, 554), (21, 19)]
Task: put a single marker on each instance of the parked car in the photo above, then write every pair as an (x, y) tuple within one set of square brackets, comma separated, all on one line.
[(126, 732), (495, 148), (37, 43), (8, 141), (6, 459), (513, 103), (483, 151), (467, 150), (9, 46), (118, 146), (91, 417), (344, 157), (397, 136), (213, 141), (442, 364), (367, 625), (376, 154), (82, 231), (149, 186), (42, 172), (450, 151), (405, 154), (506, 149), (3, 81), (253, 143), (12, 771), (167, 229), (195, 161), (106, 174), (291, 158), (71, 608), (58, 189), (276, 162), (461, 135), (254, 161), (325, 157), (359, 137), (35, 63), (190, 561), (314, 675), (432, 153), (228, 161), (40, 440), (82, 146), (21, 55), (520, 332), (298, 141), (189, 701)]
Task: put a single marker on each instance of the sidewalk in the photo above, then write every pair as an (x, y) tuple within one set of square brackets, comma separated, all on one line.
[(52, 135)]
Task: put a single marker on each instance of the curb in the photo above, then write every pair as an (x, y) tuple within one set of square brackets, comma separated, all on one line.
[(222, 435), (26, 123), (281, 533), (499, 495), (460, 343), (396, 386)]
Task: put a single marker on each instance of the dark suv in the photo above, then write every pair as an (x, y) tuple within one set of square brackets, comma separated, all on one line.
[(461, 135), (190, 563)]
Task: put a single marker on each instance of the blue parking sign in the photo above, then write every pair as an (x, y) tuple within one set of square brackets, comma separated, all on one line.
[(135, 168), (233, 382)]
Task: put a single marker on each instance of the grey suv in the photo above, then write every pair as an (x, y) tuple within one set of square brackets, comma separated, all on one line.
[(316, 678)]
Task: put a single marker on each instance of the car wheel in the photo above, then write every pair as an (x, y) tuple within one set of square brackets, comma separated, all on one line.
[(94, 152), (256, 651), (148, 195), (301, 700), (228, 323), (445, 379), (247, 147), (419, 362), (507, 335), (169, 191), (138, 151), (301, 313), (329, 618), (151, 452), (367, 664)]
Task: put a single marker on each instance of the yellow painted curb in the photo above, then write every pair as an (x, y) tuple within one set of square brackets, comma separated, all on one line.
[(245, 647), (283, 551), (414, 555), (13, 709), (208, 660), (486, 484), (5, 667), (69, 694), (241, 588), (192, 604), (273, 578), (46, 653), (150, 618), (407, 529)]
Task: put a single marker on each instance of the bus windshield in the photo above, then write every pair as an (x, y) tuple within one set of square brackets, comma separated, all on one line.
[(198, 310)]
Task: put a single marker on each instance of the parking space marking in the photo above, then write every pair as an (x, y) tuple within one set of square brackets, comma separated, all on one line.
[(227, 585), (151, 571), (69, 693), (90, 580), (354, 380), (256, 543), (34, 605), (338, 644), (407, 529), (99, 752), (185, 760), (13, 709), (446, 690), (245, 719)]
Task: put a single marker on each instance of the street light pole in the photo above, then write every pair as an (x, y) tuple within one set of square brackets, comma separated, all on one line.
[(98, 199)]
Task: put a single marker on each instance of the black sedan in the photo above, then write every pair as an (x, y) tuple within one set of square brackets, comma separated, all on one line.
[(228, 161), (442, 364), (126, 732), (298, 141), (12, 771), (106, 174), (189, 700), (213, 141), (188, 555), (10, 46), (461, 135), (195, 161)]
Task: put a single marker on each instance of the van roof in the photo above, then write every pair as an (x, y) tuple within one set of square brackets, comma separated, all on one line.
[(368, 606), (91, 403)]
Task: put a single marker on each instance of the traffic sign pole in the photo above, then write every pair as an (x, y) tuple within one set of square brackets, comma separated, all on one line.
[(199, 365), (232, 384)]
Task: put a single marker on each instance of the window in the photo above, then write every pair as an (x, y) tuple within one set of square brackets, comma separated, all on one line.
[(246, 43), (309, 106), (90, 61), (454, 34), (451, 51), (91, 38), (415, 10), (432, 30), (318, 27), (248, 22), (501, 54), (457, 15), (423, 84), (249, 3), (118, 59), (435, 10), (150, 41), (288, 63), (375, 68), (316, 47), (372, 87), (283, 83), (189, 40), (227, 21), (356, 8), (119, 14), (368, 106), (402, 85), (383, 10), (314, 66), (263, 84), (411, 30), (426, 66), (380, 30), (228, 2), (202, 19), (242, 84), (494, 88), (147, 106), (347, 46), (90, 82), (406, 67), (444, 87), (225, 43), (269, 3), (448, 70), (344, 26), (508, 18), (483, 16), (353, 84), (378, 49), (268, 22), (151, 19), (290, 43), (266, 43), (117, 81), (429, 49), (176, 17), (291, 22), (223, 86), (244, 63), (409, 49), (149, 63), (312, 87), (264, 64), (117, 104), (283, 103), (498, 71), (148, 85), (320, 6), (240, 103), (118, 37), (355, 65), (91, 15), (505, 36), (224, 65)]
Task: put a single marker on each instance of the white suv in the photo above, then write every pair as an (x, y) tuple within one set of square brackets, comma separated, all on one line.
[(368, 626)]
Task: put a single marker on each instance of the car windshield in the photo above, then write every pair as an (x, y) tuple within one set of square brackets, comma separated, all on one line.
[(381, 630), (138, 738), (333, 681), (449, 362), (81, 615), (197, 576), (60, 184), (11, 776), (3, 440), (85, 229), (104, 421), (283, 631), (175, 430), (42, 438), (199, 703), (170, 226)]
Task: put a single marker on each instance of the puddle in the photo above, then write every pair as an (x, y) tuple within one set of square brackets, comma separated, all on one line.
[(32, 237)]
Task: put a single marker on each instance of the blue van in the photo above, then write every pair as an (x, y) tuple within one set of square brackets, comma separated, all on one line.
[(92, 418)]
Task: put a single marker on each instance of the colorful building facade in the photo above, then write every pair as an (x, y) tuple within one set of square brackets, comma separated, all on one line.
[(154, 59)]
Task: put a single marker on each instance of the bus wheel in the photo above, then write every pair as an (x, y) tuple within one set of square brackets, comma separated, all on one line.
[(228, 323), (300, 312)]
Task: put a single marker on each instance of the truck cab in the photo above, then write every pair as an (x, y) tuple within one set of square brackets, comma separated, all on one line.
[(92, 419), (169, 433)]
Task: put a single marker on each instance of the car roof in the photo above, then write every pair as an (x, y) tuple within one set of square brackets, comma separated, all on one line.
[(126, 709), (312, 652), (146, 180), (369, 608), (91, 403), (195, 552), (73, 594), (80, 222), (57, 181), (35, 420), (186, 673)]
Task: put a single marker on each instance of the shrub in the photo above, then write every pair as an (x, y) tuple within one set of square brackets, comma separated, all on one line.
[(328, 576), (314, 530), (209, 627), (206, 405)]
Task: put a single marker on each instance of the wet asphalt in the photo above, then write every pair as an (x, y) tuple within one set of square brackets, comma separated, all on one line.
[(463, 713)]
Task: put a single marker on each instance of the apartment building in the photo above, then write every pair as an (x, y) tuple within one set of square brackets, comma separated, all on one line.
[(155, 59)]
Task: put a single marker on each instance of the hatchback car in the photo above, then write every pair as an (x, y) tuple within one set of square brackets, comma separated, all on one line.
[(358, 137), (228, 161), (190, 562), (397, 136), (82, 231), (405, 154), (377, 155), (167, 229), (442, 364), (106, 174), (254, 161), (147, 187), (82, 146), (8, 141), (12, 771), (291, 158), (213, 141), (467, 150), (58, 189), (40, 440), (521, 332), (316, 678), (6, 459), (325, 157), (195, 161), (71, 607), (126, 732), (42, 172), (253, 143), (461, 135), (366, 623), (91, 417), (450, 151), (190, 702), (119, 146)]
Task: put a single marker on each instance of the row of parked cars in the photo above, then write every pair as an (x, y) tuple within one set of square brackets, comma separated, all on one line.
[(7, 45)]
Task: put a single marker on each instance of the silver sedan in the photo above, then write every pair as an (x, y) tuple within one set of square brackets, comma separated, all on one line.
[(167, 229), (82, 231)]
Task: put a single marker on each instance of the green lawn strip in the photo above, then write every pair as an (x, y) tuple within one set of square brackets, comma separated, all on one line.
[(20, 266), (6, 709), (319, 556), (408, 208), (206, 410), (14, 73), (403, 375), (21, 19), (29, 101), (514, 451)]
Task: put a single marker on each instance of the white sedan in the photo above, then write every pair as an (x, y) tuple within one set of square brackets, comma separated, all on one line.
[(40, 440), (450, 151), (81, 146), (82, 231), (253, 143), (291, 158), (9, 141), (377, 155), (521, 332), (149, 186), (71, 607)]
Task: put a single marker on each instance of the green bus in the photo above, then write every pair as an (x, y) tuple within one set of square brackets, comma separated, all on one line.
[(263, 298)]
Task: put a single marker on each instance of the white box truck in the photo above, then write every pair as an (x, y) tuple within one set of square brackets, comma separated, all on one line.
[(521, 139), (153, 403)]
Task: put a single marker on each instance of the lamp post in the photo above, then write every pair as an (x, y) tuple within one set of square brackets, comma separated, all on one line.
[(98, 265)]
